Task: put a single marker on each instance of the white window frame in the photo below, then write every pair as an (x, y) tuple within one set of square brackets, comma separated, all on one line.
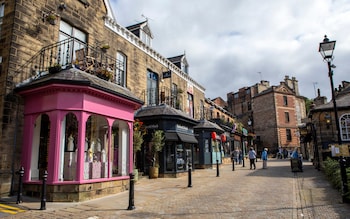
[(120, 74), (2, 13), (345, 127)]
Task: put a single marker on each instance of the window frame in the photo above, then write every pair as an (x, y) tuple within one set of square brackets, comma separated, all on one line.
[(120, 70), (286, 117), (285, 101), (288, 134), (344, 121)]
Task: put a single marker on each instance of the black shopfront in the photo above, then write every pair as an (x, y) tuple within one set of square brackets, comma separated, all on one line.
[(178, 151)]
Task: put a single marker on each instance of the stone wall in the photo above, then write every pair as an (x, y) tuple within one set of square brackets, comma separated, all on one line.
[(25, 32)]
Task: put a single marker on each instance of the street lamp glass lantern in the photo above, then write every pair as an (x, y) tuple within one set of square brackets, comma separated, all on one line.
[(326, 49)]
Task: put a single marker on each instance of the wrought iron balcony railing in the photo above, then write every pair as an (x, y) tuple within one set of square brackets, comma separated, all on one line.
[(72, 53), (164, 95)]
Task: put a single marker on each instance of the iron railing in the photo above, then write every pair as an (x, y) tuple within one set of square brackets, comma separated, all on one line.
[(164, 95), (72, 53)]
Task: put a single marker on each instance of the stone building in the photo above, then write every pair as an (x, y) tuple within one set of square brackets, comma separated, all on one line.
[(272, 113), (107, 64), (321, 128)]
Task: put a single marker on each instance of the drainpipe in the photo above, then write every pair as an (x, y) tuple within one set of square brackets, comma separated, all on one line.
[(14, 150)]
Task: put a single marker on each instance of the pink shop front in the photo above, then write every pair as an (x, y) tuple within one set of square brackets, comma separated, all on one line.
[(80, 132)]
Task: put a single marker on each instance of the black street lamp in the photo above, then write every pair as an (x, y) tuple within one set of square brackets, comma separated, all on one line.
[(326, 49)]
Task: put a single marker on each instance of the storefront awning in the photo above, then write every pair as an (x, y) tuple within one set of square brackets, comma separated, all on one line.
[(171, 136), (187, 138)]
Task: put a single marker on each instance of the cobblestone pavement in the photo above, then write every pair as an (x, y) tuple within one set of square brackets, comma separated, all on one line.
[(275, 192)]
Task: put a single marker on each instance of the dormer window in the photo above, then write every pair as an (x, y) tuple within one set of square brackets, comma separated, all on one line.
[(181, 62), (142, 31), (145, 38)]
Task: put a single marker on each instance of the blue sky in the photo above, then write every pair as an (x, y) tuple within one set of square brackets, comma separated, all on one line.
[(227, 43)]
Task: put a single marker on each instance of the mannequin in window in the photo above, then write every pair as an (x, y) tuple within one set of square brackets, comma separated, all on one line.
[(86, 144), (103, 155), (91, 154), (70, 143), (93, 146), (98, 148)]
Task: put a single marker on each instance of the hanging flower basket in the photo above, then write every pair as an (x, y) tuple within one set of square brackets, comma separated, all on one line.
[(104, 74), (51, 18), (105, 47)]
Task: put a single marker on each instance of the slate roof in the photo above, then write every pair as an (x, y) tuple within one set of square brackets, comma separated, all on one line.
[(164, 111), (343, 102), (205, 124), (75, 76)]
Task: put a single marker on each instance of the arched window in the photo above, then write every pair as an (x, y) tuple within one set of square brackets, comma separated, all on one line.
[(345, 127), (68, 148), (120, 148), (40, 147), (96, 148)]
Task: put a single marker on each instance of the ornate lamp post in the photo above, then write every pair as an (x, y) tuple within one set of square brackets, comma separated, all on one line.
[(326, 49)]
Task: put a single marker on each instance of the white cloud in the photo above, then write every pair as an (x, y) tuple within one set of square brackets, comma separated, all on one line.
[(228, 42)]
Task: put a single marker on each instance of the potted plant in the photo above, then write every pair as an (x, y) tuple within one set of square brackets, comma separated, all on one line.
[(157, 144), (55, 68), (139, 132), (104, 47), (51, 18), (104, 74)]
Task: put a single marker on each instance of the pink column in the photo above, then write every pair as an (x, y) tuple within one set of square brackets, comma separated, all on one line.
[(54, 147), (82, 117)]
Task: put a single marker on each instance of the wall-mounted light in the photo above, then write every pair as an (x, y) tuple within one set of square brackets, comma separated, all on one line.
[(328, 119), (62, 6)]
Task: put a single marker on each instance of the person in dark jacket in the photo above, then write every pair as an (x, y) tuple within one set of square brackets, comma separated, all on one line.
[(252, 157)]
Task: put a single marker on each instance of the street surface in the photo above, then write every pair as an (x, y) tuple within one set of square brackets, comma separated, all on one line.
[(275, 192)]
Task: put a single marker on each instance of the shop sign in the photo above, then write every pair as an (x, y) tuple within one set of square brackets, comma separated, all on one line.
[(340, 150)]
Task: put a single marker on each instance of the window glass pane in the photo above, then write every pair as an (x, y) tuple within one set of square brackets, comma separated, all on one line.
[(68, 146), (80, 35), (40, 147), (170, 158), (120, 149), (345, 127), (120, 69), (152, 88), (66, 28), (96, 146)]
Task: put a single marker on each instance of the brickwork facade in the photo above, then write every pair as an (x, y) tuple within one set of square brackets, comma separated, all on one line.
[(26, 30), (275, 112)]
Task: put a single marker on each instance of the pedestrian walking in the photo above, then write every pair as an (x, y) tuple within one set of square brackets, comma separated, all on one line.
[(264, 158), (252, 157), (236, 155)]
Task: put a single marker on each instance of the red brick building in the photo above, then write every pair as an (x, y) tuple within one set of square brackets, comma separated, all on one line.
[(272, 113)]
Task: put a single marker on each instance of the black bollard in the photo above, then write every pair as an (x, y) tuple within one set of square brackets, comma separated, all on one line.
[(189, 175), (43, 192), (20, 185), (131, 192), (217, 168), (233, 165), (345, 188)]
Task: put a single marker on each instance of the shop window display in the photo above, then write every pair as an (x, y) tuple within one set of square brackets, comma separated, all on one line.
[(96, 148), (40, 147), (68, 148), (120, 152)]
